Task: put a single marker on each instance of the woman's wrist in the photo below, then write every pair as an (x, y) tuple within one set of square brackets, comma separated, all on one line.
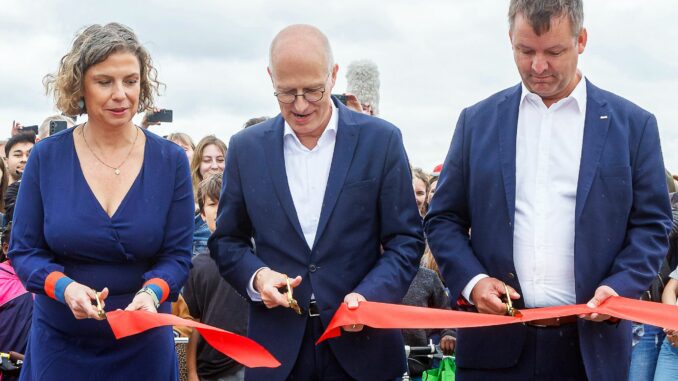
[(159, 288), (148, 291)]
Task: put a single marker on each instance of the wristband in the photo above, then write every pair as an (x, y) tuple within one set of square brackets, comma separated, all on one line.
[(146, 290), (55, 285)]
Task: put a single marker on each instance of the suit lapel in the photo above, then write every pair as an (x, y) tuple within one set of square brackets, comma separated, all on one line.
[(507, 125), (595, 132), (276, 167), (344, 147)]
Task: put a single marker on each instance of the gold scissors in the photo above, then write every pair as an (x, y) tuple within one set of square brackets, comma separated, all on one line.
[(100, 309), (290, 299), (509, 306)]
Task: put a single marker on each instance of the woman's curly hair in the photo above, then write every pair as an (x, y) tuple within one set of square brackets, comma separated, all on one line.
[(91, 46)]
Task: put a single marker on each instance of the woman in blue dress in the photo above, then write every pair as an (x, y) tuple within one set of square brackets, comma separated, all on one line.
[(107, 208)]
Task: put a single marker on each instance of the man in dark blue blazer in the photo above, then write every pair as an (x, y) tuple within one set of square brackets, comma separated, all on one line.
[(554, 188), (322, 194)]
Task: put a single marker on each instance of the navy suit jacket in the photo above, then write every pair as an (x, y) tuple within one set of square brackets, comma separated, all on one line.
[(369, 238), (622, 220)]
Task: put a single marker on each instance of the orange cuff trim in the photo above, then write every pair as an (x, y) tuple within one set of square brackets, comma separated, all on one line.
[(50, 283), (161, 285)]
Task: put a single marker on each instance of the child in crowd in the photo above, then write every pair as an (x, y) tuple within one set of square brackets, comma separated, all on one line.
[(212, 301)]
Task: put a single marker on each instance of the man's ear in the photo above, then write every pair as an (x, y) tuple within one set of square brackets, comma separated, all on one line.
[(270, 74), (581, 40)]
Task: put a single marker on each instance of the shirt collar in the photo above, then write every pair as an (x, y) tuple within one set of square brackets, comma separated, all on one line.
[(332, 125), (578, 94)]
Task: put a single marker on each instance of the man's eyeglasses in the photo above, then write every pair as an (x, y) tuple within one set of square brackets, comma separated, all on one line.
[(312, 95)]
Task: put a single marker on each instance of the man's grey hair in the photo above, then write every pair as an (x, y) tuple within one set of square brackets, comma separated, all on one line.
[(362, 80), (329, 56), (540, 12)]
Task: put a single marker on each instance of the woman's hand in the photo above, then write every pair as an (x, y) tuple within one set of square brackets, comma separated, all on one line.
[(142, 302), (79, 299), (145, 123)]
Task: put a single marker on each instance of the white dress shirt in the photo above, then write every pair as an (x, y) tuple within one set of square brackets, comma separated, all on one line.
[(548, 152), (307, 173)]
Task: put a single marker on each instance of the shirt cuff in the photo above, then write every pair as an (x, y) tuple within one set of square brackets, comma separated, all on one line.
[(466, 292), (55, 285), (251, 292)]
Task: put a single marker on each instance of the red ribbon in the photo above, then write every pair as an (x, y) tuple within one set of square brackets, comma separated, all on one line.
[(382, 315), (239, 348)]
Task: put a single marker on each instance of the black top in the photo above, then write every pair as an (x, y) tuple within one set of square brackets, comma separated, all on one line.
[(426, 290), (213, 301)]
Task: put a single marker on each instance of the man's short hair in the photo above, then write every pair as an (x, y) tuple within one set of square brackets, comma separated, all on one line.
[(209, 188), (24, 137), (540, 12)]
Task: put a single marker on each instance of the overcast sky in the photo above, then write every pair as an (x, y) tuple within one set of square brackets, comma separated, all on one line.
[(434, 57)]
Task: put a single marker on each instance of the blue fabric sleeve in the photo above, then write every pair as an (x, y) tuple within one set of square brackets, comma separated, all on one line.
[(173, 262)]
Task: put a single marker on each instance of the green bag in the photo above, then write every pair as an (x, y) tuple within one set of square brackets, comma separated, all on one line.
[(445, 371)]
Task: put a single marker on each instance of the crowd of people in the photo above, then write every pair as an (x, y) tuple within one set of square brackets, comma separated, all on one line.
[(553, 192)]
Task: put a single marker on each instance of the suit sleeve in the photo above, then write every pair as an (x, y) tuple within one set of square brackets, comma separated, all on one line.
[(231, 243), (173, 262), (32, 259), (649, 222), (401, 231), (448, 221)]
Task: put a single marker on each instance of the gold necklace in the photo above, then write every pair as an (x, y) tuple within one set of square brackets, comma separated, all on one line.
[(115, 169)]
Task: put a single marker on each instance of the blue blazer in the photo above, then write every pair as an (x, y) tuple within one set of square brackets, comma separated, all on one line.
[(369, 238), (622, 220)]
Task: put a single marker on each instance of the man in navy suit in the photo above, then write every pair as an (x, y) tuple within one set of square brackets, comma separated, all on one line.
[(326, 195), (554, 188)]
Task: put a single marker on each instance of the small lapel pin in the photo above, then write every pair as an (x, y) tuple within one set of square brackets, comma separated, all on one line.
[(603, 117)]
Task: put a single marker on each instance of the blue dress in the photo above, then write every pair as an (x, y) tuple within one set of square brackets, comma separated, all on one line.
[(59, 225)]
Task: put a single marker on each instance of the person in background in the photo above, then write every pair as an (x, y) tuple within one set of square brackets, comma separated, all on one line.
[(427, 290), (184, 141), (212, 301), (420, 183), (17, 150), (16, 305), (43, 129), (209, 159), (667, 361), (104, 215), (433, 182), (4, 179), (3, 142), (251, 122), (647, 339)]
